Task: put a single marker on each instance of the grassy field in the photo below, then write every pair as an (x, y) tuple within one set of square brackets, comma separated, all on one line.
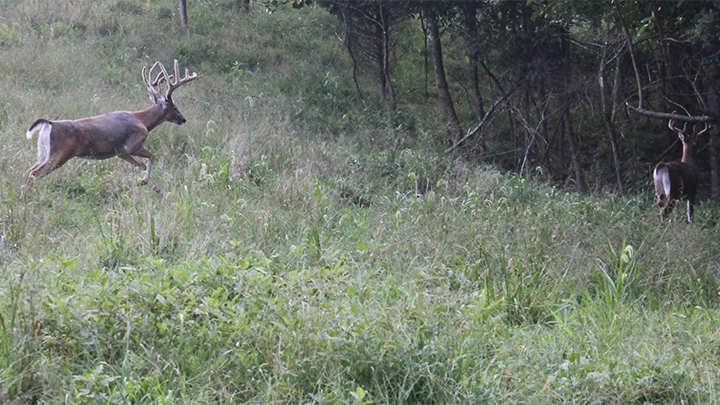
[(305, 248)]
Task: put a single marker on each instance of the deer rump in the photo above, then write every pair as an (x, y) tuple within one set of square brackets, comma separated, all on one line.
[(678, 173)]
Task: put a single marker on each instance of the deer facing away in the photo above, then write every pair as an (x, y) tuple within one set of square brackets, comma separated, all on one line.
[(118, 133), (677, 180)]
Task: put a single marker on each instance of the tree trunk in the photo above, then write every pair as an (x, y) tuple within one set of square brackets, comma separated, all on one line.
[(349, 41), (473, 55), (443, 90), (574, 150), (567, 121), (607, 107), (425, 54), (714, 105), (386, 57), (183, 14), (378, 57), (382, 56)]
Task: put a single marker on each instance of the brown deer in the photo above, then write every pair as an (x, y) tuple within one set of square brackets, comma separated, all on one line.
[(117, 133), (677, 180)]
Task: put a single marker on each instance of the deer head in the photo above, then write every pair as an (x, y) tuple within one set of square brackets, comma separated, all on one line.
[(165, 100)]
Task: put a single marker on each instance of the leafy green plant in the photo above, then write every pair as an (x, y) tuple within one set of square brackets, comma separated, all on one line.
[(617, 277)]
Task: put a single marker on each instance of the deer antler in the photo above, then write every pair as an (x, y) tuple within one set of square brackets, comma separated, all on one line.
[(155, 95), (164, 77), (671, 125), (705, 129), (178, 82)]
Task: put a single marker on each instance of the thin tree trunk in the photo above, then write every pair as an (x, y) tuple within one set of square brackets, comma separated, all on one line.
[(714, 105), (574, 152), (349, 33), (567, 121), (443, 90), (386, 58), (616, 155), (183, 14), (608, 118), (382, 57), (378, 51), (472, 33), (425, 54)]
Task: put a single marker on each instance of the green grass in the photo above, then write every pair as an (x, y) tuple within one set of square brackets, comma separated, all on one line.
[(307, 249)]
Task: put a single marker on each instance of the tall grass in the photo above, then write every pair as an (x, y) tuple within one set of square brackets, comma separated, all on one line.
[(306, 247)]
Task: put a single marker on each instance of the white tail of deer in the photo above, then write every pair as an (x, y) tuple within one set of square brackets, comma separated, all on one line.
[(677, 180), (118, 133)]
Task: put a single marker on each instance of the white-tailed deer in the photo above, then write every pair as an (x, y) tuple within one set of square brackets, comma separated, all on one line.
[(677, 180), (118, 133)]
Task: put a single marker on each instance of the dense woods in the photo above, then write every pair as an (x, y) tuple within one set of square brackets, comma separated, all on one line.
[(578, 91)]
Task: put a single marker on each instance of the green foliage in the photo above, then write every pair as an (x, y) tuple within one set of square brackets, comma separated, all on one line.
[(617, 279), (307, 248)]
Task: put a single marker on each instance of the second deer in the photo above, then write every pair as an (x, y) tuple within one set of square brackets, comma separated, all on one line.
[(677, 180), (118, 133)]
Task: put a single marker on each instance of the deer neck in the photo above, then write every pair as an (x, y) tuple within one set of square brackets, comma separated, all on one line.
[(687, 156), (152, 117)]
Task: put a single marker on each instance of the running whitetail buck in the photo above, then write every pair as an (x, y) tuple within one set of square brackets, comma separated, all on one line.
[(677, 180), (118, 133)]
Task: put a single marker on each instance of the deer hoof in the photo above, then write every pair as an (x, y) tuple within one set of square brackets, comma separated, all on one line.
[(143, 182)]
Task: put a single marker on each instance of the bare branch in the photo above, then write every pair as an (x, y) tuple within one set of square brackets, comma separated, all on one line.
[(639, 109), (471, 133), (672, 116)]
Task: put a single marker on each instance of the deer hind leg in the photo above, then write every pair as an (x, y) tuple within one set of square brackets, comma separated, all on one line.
[(691, 206), (668, 210), (32, 173), (43, 168), (43, 154)]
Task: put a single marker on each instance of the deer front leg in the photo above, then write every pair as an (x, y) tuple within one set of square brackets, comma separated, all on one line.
[(142, 152), (137, 163)]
